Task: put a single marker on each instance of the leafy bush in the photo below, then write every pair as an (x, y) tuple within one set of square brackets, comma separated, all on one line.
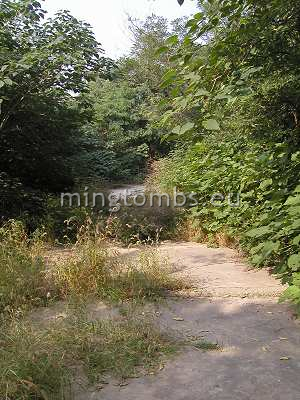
[(234, 113), (266, 224)]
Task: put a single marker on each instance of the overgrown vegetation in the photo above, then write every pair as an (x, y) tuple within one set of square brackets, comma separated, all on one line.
[(40, 118), (38, 362), (42, 364), (23, 281), (91, 270), (29, 367), (216, 96), (95, 271), (235, 120)]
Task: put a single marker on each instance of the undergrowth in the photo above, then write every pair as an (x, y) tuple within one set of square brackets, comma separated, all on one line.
[(42, 365), (23, 281), (265, 224), (129, 225), (96, 271), (91, 270)]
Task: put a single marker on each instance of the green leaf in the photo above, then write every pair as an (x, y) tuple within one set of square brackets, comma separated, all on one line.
[(223, 96), (259, 232), (291, 293), (296, 240), (161, 50), (199, 16), (294, 210), (172, 40), (8, 81), (297, 190), (256, 249), (295, 224), (266, 183), (181, 130), (257, 259), (295, 156), (3, 68), (269, 247), (211, 125), (202, 92), (169, 74), (293, 200), (294, 262)]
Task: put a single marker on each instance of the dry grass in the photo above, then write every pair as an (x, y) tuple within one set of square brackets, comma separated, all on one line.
[(23, 282), (29, 367), (93, 270), (120, 348), (39, 364), (190, 230), (42, 365)]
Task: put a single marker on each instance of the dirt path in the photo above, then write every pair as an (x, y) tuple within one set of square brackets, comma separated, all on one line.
[(238, 309)]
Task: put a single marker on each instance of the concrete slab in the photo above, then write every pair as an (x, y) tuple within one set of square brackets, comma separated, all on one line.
[(255, 335), (219, 272)]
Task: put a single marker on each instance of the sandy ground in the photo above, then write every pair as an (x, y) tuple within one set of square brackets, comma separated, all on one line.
[(233, 306)]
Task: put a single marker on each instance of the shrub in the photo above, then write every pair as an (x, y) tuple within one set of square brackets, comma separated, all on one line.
[(266, 224)]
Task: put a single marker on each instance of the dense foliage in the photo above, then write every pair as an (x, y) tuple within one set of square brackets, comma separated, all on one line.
[(40, 117), (219, 95), (235, 118), (122, 136)]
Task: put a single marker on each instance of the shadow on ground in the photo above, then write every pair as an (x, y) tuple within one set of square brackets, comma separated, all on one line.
[(260, 358)]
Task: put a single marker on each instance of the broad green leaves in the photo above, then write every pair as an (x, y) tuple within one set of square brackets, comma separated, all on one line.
[(293, 200), (211, 125), (259, 232), (296, 240), (172, 41), (266, 183), (294, 262), (204, 74), (234, 85), (183, 129)]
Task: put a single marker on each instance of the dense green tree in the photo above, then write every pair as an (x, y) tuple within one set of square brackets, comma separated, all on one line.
[(123, 136), (143, 65), (43, 64), (117, 135), (235, 103)]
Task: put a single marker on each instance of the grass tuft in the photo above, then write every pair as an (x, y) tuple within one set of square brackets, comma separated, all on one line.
[(23, 282), (94, 271), (42, 365), (115, 348), (29, 368), (207, 346), (90, 270)]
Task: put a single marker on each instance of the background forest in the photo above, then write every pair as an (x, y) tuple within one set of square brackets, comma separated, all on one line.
[(209, 105)]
